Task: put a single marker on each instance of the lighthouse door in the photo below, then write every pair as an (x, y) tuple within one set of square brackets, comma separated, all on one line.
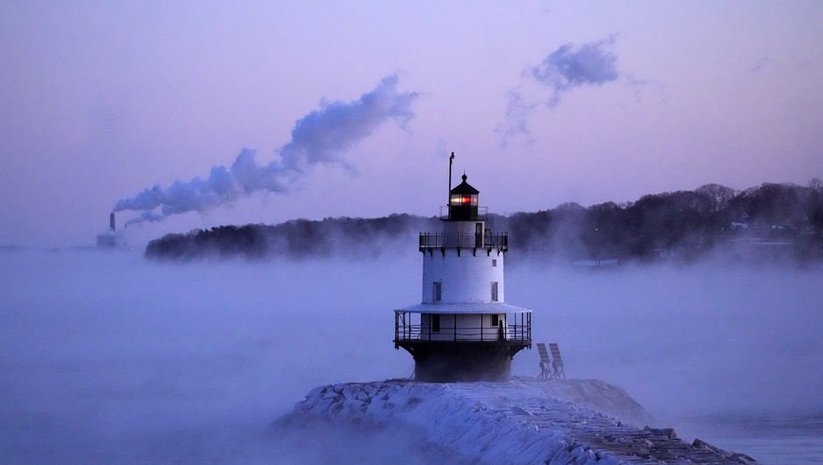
[(478, 235)]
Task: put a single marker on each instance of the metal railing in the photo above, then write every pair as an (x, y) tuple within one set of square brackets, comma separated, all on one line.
[(489, 240), (406, 330)]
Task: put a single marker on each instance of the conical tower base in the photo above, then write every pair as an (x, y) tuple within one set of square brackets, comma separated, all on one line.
[(467, 361)]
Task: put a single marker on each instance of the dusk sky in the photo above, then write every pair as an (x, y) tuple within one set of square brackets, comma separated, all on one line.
[(352, 108)]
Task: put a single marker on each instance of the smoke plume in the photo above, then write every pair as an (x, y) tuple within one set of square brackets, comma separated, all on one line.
[(569, 67), (322, 136)]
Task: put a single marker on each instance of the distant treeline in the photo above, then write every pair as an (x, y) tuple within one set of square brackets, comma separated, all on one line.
[(293, 239), (782, 221)]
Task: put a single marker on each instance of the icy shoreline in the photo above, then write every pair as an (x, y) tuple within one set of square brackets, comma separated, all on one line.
[(522, 421)]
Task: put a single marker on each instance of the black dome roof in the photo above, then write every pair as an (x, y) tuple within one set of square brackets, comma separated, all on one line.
[(464, 188)]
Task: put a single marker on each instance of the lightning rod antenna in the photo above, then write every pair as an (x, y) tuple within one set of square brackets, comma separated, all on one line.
[(451, 159)]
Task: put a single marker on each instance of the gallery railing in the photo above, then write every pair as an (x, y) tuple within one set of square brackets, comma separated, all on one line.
[(407, 329), (498, 241)]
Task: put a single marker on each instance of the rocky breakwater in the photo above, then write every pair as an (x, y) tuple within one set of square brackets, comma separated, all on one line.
[(522, 421)]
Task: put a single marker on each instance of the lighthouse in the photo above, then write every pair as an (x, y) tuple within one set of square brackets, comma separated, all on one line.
[(463, 330)]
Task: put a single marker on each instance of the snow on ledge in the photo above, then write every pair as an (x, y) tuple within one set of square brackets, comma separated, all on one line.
[(522, 421)]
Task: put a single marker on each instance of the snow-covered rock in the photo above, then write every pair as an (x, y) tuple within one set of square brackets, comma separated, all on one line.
[(522, 421)]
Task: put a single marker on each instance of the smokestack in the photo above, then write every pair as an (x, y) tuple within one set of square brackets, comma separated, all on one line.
[(111, 222)]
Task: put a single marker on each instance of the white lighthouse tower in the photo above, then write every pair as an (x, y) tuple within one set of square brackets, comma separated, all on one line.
[(463, 330)]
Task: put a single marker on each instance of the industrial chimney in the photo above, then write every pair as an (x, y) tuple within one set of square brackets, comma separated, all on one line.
[(111, 239)]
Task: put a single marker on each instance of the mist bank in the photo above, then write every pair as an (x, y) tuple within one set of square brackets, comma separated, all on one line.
[(771, 222), (110, 358)]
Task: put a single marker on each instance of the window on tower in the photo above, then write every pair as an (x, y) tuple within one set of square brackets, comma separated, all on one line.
[(463, 200), (494, 291), (437, 291)]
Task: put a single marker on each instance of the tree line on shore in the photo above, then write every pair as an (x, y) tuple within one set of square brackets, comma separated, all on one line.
[(770, 221)]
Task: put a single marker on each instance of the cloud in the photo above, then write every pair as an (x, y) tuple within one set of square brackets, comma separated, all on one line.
[(322, 136), (570, 67), (566, 68), (518, 111)]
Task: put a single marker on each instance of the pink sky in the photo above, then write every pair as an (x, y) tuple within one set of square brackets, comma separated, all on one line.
[(102, 100)]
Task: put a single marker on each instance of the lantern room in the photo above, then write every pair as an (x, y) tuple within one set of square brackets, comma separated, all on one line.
[(463, 202)]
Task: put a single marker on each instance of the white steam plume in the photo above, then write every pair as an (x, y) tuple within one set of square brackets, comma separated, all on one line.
[(319, 137)]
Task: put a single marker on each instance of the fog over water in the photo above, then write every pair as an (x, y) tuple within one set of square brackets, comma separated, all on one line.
[(110, 358)]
